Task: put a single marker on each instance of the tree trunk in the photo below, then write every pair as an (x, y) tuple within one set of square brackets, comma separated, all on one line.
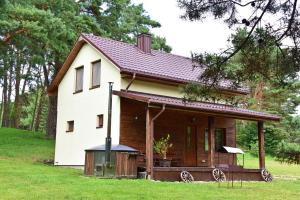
[(40, 110), (25, 80), (5, 115), (52, 117), (16, 109), (34, 109), (52, 109), (1, 108), (10, 81)]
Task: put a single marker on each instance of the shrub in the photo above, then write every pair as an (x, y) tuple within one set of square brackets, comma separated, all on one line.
[(162, 146), (288, 152)]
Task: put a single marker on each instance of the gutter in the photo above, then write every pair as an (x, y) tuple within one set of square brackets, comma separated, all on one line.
[(156, 77)]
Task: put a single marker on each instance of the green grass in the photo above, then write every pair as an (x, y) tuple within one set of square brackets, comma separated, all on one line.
[(23, 176), (278, 169)]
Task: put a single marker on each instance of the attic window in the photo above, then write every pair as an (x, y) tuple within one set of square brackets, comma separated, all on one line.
[(99, 121), (70, 126), (79, 79), (96, 73)]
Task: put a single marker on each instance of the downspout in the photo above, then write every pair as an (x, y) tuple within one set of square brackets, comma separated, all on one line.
[(152, 137), (108, 137), (131, 81), (158, 114)]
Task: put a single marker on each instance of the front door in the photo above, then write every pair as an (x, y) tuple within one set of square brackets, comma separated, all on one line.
[(190, 146)]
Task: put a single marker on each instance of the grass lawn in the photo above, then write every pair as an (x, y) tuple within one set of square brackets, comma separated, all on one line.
[(24, 176)]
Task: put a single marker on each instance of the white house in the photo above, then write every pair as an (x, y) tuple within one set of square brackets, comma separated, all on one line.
[(144, 80)]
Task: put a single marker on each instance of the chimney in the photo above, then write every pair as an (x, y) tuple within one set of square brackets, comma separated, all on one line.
[(144, 42)]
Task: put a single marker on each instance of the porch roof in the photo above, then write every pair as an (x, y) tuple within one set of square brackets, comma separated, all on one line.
[(204, 107)]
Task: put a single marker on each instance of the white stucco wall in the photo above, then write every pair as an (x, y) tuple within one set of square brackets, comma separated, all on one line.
[(84, 107), (153, 88)]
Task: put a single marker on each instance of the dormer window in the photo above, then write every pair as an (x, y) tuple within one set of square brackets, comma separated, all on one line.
[(79, 79), (96, 74)]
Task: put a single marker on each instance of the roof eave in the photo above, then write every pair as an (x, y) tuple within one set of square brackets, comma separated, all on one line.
[(235, 115), (52, 89), (178, 81)]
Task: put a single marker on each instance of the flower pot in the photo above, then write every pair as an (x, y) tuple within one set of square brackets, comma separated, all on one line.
[(165, 163)]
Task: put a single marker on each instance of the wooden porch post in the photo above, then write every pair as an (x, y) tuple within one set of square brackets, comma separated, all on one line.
[(261, 143), (150, 138), (149, 144), (211, 141)]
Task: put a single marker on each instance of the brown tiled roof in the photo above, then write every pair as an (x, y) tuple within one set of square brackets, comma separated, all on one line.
[(156, 64), (209, 108)]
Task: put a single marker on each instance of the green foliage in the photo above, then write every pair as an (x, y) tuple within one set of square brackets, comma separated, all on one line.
[(162, 146), (122, 20), (288, 152), (29, 111), (257, 37), (160, 43), (37, 35), (287, 129)]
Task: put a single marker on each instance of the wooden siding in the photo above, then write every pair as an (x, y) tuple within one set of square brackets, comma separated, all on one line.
[(126, 165), (173, 122), (204, 174), (89, 163)]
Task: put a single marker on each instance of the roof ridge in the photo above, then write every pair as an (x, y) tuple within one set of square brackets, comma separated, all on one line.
[(133, 45), (108, 39)]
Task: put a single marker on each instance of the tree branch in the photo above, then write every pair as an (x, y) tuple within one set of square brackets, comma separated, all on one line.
[(9, 36), (291, 21), (249, 34), (246, 4)]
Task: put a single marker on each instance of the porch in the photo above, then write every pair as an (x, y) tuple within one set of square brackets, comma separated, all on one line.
[(205, 174), (197, 134)]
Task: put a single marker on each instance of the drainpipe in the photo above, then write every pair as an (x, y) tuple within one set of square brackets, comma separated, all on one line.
[(150, 169), (129, 84), (108, 137), (161, 111)]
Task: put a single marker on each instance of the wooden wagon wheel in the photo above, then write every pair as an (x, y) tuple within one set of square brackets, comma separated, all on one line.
[(186, 177), (218, 175), (266, 175)]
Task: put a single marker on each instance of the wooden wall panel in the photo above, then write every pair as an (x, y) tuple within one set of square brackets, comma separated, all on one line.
[(89, 163), (126, 165), (173, 122), (133, 124), (205, 174)]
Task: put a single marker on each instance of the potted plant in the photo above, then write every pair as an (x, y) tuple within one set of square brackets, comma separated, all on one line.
[(161, 147)]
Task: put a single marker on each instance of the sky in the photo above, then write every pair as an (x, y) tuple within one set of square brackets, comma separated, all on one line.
[(184, 36)]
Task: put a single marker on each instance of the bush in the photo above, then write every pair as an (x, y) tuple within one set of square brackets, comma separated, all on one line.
[(288, 152), (247, 137)]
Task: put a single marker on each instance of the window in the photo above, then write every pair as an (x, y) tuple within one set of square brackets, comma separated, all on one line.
[(188, 137), (70, 126), (96, 73), (220, 138), (99, 121), (79, 79), (206, 140)]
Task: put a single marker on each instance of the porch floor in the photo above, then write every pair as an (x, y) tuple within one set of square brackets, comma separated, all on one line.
[(204, 174)]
